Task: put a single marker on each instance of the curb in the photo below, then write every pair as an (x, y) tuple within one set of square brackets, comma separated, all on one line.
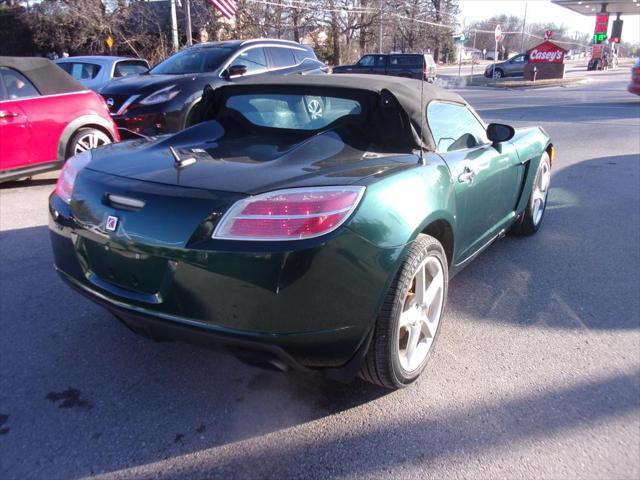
[(539, 83)]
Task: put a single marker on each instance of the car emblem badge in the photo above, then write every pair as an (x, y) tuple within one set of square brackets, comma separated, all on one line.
[(315, 109), (110, 102), (112, 223)]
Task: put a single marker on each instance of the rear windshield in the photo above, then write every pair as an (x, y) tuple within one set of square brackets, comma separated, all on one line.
[(198, 60), (129, 67), (292, 111)]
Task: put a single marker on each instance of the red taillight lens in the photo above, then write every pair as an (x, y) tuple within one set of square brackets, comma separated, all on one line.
[(293, 214), (64, 185)]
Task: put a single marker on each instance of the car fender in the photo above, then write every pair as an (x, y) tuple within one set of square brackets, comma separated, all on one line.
[(530, 144), (396, 209), (76, 124), (190, 105), (196, 95)]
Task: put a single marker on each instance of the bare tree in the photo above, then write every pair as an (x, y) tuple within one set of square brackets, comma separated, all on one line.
[(340, 30)]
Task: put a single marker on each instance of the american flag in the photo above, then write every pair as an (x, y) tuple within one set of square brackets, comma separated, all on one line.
[(225, 7)]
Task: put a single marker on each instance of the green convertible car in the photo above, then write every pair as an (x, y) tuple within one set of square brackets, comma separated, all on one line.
[(308, 222)]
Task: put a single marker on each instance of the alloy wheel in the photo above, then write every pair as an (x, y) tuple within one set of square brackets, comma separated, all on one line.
[(540, 191), (90, 140), (420, 316)]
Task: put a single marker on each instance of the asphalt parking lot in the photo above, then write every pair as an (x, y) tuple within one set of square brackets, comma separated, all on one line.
[(536, 373)]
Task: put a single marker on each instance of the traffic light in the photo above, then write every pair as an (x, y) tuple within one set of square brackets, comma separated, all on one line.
[(616, 31)]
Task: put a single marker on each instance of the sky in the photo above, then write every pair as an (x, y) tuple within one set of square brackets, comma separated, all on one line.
[(543, 11)]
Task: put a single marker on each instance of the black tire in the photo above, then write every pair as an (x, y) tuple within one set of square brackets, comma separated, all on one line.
[(82, 133), (381, 365), (498, 73), (194, 116), (530, 222)]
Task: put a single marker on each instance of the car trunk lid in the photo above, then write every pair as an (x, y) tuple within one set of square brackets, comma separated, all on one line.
[(132, 230)]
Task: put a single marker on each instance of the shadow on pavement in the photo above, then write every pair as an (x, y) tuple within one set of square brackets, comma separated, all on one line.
[(576, 270), (418, 443), (32, 182), (81, 394), (75, 380)]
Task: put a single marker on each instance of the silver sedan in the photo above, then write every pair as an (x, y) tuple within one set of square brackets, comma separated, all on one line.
[(96, 71)]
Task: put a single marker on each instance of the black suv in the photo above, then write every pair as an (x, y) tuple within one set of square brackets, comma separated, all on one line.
[(410, 65), (164, 100)]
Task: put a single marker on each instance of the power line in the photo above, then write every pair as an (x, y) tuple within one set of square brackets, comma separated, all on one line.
[(529, 35), (356, 10)]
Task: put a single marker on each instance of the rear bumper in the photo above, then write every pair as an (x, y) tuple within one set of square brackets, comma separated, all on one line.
[(311, 308), (281, 351)]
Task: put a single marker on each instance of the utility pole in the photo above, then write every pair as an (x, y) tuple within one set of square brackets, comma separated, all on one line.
[(524, 22), (380, 32), (187, 8), (174, 26)]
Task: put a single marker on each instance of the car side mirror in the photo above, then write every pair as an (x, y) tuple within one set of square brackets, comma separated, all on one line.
[(234, 71), (498, 133)]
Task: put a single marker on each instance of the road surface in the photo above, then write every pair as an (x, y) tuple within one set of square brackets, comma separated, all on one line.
[(573, 69), (536, 373)]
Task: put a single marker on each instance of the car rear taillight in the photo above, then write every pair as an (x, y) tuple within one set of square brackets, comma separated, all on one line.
[(293, 214), (70, 170)]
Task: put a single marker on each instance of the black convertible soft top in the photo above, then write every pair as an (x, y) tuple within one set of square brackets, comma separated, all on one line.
[(46, 76), (413, 96)]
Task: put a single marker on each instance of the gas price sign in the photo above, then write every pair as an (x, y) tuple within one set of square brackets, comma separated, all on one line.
[(602, 25)]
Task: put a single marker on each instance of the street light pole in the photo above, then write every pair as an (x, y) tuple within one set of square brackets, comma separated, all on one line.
[(380, 32), (174, 26), (187, 8), (524, 22)]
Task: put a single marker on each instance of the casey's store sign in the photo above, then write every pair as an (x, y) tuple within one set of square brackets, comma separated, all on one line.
[(546, 52)]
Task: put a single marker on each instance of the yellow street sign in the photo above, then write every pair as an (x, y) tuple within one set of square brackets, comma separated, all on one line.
[(109, 41)]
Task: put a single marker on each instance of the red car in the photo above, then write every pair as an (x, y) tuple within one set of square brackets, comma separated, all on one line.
[(634, 86), (46, 117)]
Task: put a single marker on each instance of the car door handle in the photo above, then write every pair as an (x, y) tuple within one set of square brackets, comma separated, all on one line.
[(4, 114), (466, 176)]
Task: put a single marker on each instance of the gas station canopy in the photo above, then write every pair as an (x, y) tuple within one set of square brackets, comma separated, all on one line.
[(593, 8)]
